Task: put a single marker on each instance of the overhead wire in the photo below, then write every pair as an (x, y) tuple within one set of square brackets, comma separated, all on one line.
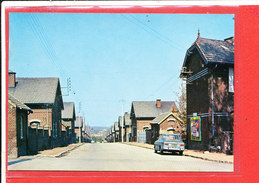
[(159, 34), (46, 44)]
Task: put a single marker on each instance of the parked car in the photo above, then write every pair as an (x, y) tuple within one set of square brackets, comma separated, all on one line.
[(170, 143)]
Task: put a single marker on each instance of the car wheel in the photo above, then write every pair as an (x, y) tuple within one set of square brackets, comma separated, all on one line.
[(181, 153), (161, 151), (155, 149)]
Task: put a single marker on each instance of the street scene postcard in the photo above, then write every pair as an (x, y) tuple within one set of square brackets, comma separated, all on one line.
[(119, 90)]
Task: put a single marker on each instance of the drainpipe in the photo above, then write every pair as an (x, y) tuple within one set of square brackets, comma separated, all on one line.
[(212, 105), (48, 116)]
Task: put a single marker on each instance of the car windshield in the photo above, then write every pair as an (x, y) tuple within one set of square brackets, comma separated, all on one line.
[(172, 137)]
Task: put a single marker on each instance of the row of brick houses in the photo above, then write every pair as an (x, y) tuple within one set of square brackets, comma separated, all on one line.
[(145, 121), (81, 133), (208, 71), (38, 118)]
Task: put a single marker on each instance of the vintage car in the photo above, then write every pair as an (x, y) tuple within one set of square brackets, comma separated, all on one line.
[(170, 143)]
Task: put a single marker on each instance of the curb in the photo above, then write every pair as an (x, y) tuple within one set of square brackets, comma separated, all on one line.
[(60, 154), (188, 155), (218, 161)]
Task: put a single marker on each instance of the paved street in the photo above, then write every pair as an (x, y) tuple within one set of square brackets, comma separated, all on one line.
[(117, 157)]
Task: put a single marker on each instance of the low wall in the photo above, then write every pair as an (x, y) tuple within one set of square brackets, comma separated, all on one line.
[(38, 139)]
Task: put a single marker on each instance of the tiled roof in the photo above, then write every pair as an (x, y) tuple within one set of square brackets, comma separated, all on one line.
[(17, 103), (79, 123), (127, 119), (112, 129), (36, 90), (116, 126), (148, 109), (120, 121), (214, 50), (69, 110)]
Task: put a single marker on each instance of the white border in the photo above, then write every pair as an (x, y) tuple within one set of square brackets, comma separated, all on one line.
[(74, 4), (3, 98), (84, 4)]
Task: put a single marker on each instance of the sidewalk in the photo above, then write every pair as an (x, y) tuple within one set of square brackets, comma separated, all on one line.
[(209, 156), (50, 153), (58, 151)]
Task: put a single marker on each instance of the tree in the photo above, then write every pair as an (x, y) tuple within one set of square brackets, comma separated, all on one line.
[(181, 102)]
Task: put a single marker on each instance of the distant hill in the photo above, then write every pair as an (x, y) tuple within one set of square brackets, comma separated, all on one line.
[(99, 128)]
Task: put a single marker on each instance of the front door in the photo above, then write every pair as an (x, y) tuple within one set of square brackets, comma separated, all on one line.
[(21, 135)]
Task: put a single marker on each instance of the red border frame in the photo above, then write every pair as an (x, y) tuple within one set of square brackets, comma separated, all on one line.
[(246, 44)]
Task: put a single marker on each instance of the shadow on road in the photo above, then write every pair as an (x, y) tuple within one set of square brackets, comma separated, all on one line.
[(169, 154), (18, 161)]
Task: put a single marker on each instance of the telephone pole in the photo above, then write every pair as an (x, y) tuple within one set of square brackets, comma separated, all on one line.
[(80, 125)]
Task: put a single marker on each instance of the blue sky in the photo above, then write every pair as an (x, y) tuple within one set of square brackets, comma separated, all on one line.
[(109, 57)]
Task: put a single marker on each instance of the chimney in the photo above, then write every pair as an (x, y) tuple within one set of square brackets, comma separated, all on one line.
[(11, 79), (230, 40), (158, 103)]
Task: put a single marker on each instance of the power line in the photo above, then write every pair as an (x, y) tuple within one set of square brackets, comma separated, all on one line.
[(162, 36), (152, 32), (46, 44)]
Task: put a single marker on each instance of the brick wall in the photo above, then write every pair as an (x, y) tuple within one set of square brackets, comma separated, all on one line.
[(12, 132), (171, 122), (44, 116), (142, 123), (77, 132)]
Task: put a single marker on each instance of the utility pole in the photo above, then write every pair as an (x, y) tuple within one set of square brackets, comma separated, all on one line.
[(80, 125)]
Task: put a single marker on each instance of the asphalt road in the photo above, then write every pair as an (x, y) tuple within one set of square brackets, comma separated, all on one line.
[(118, 157)]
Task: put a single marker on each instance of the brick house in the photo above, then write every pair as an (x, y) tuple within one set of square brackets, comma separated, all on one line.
[(78, 128), (167, 122), (17, 134), (85, 135), (208, 69), (68, 120), (143, 112), (121, 128), (43, 96), (116, 132), (112, 134), (127, 125)]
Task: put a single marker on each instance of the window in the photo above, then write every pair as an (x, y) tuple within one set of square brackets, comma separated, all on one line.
[(37, 123), (21, 127), (231, 79)]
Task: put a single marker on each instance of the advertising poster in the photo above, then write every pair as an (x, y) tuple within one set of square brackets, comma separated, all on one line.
[(196, 128)]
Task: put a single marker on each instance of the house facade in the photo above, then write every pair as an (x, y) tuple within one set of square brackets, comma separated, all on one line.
[(208, 69), (127, 125), (121, 128), (17, 127), (116, 132), (68, 121), (143, 112), (43, 96), (167, 122), (78, 128)]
